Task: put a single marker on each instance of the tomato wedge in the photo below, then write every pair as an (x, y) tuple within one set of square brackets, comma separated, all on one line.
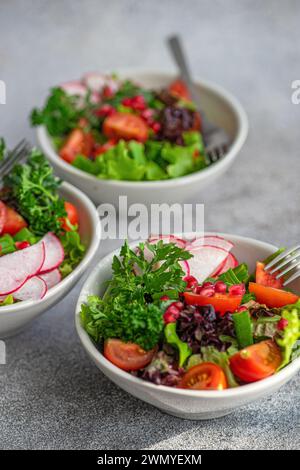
[(72, 217), (125, 126), (13, 223), (77, 143), (204, 376), (263, 278), (2, 215), (222, 303), (256, 362), (272, 297), (179, 89), (100, 149), (127, 356)]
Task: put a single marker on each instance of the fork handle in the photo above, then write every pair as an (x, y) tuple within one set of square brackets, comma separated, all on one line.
[(176, 49)]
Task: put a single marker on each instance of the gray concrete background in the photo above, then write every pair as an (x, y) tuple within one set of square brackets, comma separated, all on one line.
[(51, 396)]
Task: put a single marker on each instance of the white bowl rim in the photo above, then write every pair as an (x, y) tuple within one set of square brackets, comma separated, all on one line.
[(216, 394), (236, 146), (88, 256)]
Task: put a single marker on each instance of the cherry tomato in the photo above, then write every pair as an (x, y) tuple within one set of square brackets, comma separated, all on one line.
[(222, 303), (72, 217), (272, 297), (2, 215), (127, 356), (256, 362), (263, 278), (204, 376), (78, 142), (125, 126), (13, 223), (179, 89)]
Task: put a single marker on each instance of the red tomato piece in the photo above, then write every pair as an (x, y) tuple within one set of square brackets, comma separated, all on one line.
[(222, 303), (77, 143), (72, 217), (13, 223), (263, 278), (272, 297), (127, 356), (125, 126), (179, 89), (2, 215), (256, 362), (204, 376)]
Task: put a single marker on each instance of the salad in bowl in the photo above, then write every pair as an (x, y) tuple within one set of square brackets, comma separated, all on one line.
[(120, 130), (40, 243), (188, 315)]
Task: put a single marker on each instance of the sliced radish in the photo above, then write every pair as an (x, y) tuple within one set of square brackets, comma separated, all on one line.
[(76, 88), (34, 288), (168, 239), (186, 267), (229, 263), (206, 259), (51, 278), (97, 81), (17, 267), (212, 240), (54, 252)]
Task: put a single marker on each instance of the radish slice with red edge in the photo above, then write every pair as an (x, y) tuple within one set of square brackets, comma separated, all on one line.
[(211, 240), (51, 278), (96, 82), (206, 259), (76, 88), (17, 267), (54, 252), (168, 239), (229, 263), (33, 289), (186, 267)]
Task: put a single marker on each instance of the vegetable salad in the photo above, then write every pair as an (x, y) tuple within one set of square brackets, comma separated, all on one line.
[(187, 314), (119, 130), (39, 239)]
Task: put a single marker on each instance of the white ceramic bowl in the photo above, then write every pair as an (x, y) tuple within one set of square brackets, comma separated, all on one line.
[(13, 318), (188, 404), (221, 108)]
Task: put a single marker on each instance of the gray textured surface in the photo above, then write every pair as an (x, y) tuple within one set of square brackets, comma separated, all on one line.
[(51, 396)]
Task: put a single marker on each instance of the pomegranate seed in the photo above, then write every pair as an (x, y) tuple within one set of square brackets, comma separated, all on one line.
[(169, 318), (173, 310), (282, 324), (242, 309), (207, 284), (208, 291), (191, 281), (165, 297), (198, 290), (237, 289), (22, 245), (178, 305), (105, 110), (107, 92), (156, 126), (127, 102), (147, 114), (138, 99), (220, 287)]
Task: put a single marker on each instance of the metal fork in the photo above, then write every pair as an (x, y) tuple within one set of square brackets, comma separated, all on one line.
[(14, 156), (216, 140), (289, 261)]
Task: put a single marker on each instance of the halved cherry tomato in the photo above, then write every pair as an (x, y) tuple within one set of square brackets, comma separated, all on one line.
[(272, 297), (222, 303), (263, 278), (204, 376), (179, 89), (72, 217), (125, 126), (13, 223), (256, 362), (2, 215), (100, 149), (78, 142), (127, 356)]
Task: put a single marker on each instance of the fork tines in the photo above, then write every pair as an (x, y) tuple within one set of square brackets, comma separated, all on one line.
[(290, 261), (14, 156), (216, 153)]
